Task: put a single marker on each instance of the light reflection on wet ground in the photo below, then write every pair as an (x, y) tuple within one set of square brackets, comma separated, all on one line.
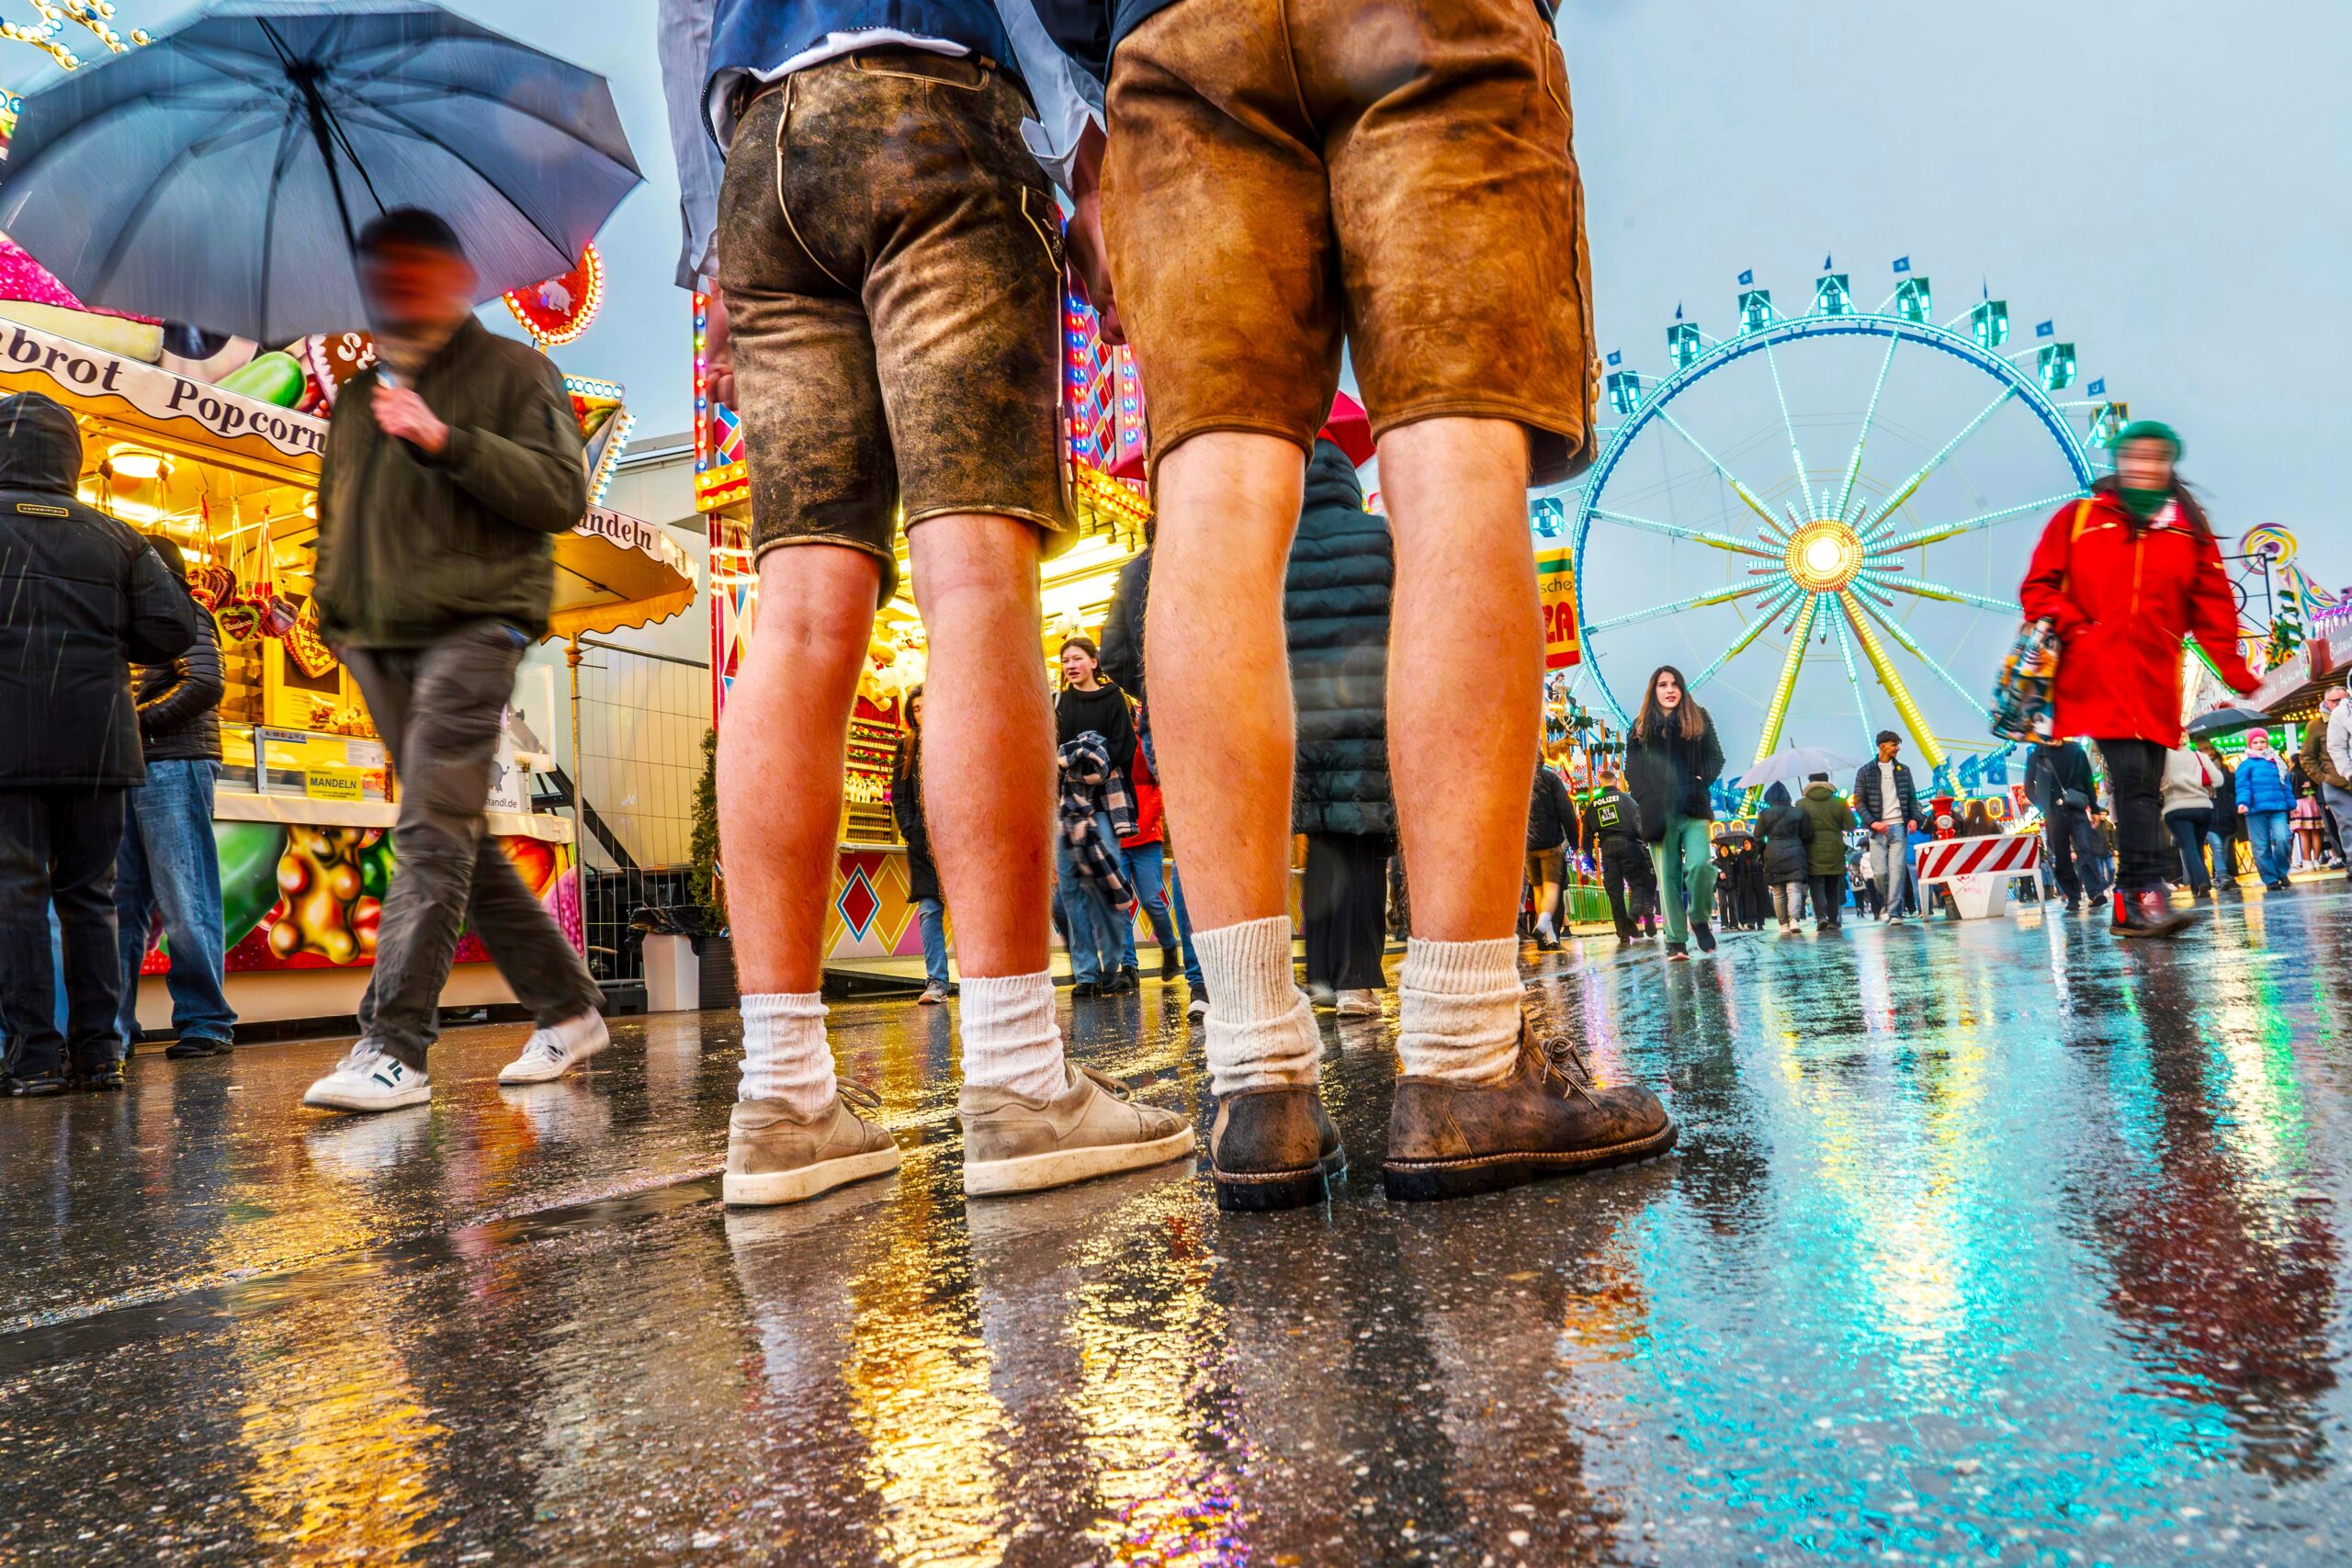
[(1987, 1243)]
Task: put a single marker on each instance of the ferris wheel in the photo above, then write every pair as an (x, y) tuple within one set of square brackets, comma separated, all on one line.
[(1815, 496)]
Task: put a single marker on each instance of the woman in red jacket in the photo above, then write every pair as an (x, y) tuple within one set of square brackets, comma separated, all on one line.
[(2123, 576)]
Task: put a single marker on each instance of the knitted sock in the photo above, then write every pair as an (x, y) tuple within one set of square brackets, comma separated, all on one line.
[(1010, 1040), (1261, 1033), (785, 1059), (1457, 1010)]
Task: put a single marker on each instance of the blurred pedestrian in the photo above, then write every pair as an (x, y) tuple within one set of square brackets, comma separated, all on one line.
[(1672, 759), (449, 468), (1888, 804), (2059, 783), (1615, 820), (2329, 777), (1551, 826), (2103, 826), (1334, 619), (1789, 836), (2266, 799), (890, 275), (1976, 821), (1143, 860), (168, 863), (923, 873), (1831, 819), (82, 600), (1089, 705), (2188, 813), (2122, 576), (2221, 838)]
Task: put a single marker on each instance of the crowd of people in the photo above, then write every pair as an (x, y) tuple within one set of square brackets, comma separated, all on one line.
[(873, 214)]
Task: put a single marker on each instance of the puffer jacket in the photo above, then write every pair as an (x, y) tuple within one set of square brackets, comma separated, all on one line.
[(1831, 819), (2189, 782), (1335, 608), (81, 599), (2262, 783), (1788, 837), (1551, 814), (1669, 776), (179, 702)]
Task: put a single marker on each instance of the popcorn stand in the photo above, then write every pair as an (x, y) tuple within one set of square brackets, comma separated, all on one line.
[(228, 471)]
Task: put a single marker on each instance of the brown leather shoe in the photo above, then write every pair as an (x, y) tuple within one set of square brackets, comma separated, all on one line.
[(1548, 1118), (1274, 1148)]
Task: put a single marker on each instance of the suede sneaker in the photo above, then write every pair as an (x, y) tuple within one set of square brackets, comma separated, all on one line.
[(1547, 1117), (773, 1156), (1274, 1148), (1013, 1144)]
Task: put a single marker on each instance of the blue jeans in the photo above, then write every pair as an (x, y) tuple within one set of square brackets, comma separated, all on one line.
[(1184, 934), (2226, 855), (1147, 866), (169, 861), (930, 918), (1093, 935), (2272, 842)]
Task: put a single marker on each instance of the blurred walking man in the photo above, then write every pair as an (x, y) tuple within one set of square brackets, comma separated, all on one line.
[(449, 468), (890, 254), (81, 599), (1281, 174)]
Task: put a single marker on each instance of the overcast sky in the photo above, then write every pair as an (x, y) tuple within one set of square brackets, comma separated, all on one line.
[(2171, 190)]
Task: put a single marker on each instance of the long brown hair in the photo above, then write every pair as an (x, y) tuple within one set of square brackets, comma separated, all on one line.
[(1689, 719), (909, 757)]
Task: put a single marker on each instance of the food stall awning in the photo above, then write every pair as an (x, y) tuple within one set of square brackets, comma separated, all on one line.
[(615, 573)]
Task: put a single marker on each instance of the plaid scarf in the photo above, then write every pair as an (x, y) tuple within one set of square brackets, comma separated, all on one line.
[(1090, 784)]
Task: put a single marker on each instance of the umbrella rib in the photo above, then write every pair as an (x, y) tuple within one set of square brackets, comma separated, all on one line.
[(426, 97), (429, 140), (286, 140), (178, 163)]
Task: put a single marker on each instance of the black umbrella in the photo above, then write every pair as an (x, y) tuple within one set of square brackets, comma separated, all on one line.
[(219, 175), (2225, 721)]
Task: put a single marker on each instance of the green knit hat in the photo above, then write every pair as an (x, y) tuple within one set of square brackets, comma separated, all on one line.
[(2152, 430)]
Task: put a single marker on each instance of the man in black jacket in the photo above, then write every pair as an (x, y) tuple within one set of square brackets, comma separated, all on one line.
[(168, 860), (2058, 781), (81, 598), (1616, 823), (1551, 829), (1888, 804)]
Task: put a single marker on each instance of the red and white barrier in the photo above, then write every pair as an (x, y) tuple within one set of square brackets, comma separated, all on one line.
[(1977, 871)]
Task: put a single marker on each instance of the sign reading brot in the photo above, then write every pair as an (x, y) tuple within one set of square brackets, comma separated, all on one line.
[(174, 410)]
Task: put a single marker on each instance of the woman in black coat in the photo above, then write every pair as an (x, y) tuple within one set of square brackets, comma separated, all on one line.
[(1671, 759), (922, 876), (1335, 607), (1788, 835)]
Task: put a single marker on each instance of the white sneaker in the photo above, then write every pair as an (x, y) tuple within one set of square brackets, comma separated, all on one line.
[(1359, 1004), (550, 1054), (369, 1078)]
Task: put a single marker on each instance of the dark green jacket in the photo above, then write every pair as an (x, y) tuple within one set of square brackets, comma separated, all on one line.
[(411, 547), (1831, 817)]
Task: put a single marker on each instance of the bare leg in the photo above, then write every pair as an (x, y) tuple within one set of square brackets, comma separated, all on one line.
[(780, 759), (1220, 669), (1466, 653), (987, 738)]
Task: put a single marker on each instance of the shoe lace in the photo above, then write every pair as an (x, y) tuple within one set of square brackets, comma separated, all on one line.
[(545, 1044), (1113, 1087), (861, 1096), (1558, 1056), (365, 1057)]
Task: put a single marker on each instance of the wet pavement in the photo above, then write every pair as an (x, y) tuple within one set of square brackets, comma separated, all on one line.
[(1990, 1243)]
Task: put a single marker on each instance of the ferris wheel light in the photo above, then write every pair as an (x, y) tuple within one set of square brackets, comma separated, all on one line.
[(1822, 556)]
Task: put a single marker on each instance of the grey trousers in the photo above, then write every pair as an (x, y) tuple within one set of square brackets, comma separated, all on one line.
[(439, 710)]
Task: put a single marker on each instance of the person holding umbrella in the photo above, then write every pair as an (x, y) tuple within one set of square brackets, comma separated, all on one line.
[(448, 470), (2123, 576)]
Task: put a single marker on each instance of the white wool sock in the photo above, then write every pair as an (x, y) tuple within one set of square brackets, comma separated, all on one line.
[(1457, 1010), (1010, 1040), (1543, 924), (1261, 1033), (785, 1059)]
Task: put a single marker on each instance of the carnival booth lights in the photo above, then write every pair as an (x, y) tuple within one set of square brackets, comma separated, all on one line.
[(227, 472)]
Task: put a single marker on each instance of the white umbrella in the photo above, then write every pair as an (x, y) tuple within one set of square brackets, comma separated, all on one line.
[(1793, 764)]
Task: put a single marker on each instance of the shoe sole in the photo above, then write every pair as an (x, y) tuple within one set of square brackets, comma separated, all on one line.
[(766, 1189), (1262, 1192), (401, 1101), (1423, 1181), (1060, 1167)]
